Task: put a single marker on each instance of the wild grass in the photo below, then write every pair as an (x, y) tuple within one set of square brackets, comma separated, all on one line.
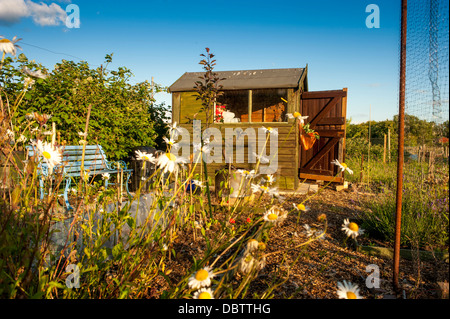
[(105, 249), (425, 203)]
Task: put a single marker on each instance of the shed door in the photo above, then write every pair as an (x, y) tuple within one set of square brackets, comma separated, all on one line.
[(327, 113)]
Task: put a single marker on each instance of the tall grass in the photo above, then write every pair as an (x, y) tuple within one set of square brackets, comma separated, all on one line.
[(104, 248), (424, 217), (425, 203)]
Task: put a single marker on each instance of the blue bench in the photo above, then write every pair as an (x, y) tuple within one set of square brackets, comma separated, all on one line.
[(95, 163)]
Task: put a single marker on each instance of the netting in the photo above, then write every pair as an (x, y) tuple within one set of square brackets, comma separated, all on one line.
[(427, 86), (427, 64)]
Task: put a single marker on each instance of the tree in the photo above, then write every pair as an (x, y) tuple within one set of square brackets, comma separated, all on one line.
[(122, 115)]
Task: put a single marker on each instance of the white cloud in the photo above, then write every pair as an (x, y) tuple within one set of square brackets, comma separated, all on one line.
[(12, 11)]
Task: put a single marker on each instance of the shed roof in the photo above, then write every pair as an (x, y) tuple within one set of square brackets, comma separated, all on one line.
[(246, 79)]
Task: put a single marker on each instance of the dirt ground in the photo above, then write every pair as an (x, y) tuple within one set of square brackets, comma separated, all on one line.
[(325, 262)]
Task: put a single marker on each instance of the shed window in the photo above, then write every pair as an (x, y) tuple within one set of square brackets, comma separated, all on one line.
[(264, 105)]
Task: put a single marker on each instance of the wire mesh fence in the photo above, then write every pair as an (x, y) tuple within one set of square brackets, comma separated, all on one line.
[(427, 86)]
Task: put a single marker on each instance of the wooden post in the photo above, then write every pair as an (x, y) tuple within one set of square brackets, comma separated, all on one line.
[(389, 145), (362, 169), (85, 140), (384, 149), (431, 165), (368, 152), (250, 105), (53, 134)]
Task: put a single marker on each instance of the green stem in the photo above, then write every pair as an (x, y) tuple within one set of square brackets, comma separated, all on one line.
[(207, 189)]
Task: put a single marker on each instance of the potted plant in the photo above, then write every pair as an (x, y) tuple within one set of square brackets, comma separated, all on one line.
[(308, 136)]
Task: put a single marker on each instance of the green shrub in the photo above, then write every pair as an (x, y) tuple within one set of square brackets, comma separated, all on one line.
[(122, 114)]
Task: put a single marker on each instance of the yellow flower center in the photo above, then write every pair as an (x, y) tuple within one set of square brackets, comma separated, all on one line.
[(145, 158), (201, 275), (264, 188), (301, 207), (344, 165), (351, 295), (248, 258), (204, 295), (353, 226), (261, 246), (297, 114), (272, 216), (171, 157), (269, 129), (5, 41), (46, 154)]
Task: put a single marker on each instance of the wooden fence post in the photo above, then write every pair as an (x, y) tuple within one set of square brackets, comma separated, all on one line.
[(362, 169), (389, 145)]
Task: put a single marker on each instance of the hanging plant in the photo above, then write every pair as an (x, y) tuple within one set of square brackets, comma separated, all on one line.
[(308, 136)]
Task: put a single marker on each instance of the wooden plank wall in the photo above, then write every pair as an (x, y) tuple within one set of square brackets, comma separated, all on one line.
[(288, 148)]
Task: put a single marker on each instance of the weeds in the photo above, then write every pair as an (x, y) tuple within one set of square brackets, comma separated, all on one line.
[(106, 248)]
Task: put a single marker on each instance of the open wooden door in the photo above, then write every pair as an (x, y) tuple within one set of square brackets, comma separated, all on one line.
[(327, 111)]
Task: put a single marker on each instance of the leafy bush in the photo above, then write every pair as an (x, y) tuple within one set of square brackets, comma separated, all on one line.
[(122, 114)]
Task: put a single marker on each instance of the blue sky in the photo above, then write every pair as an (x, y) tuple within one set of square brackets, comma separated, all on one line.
[(163, 39)]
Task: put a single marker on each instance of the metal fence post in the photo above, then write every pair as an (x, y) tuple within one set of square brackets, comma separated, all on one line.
[(401, 137)]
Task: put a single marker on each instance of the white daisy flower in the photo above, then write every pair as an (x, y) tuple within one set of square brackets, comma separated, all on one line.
[(36, 74), (342, 166), (347, 290), (301, 118), (144, 156), (204, 293), (262, 159), (275, 215), (199, 148), (170, 141), (174, 131), (9, 46), (52, 156), (169, 162), (10, 134), (252, 245), (290, 116), (351, 229), (197, 183), (22, 139), (201, 278), (28, 83), (320, 235), (106, 176), (308, 230), (265, 190), (300, 207), (270, 130), (270, 179), (247, 174), (246, 263)]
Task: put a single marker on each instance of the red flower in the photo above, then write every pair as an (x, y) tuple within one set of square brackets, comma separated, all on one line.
[(232, 221), (249, 220)]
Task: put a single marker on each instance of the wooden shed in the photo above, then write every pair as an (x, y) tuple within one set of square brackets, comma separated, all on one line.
[(267, 98)]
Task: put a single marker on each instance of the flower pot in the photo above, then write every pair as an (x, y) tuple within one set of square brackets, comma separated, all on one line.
[(224, 183)]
